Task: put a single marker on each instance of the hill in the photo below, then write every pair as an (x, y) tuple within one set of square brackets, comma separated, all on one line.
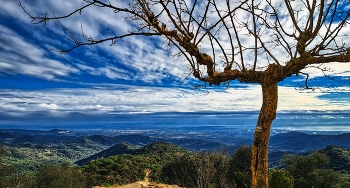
[(154, 157), (339, 158), (155, 149), (160, 149), (119, 149)]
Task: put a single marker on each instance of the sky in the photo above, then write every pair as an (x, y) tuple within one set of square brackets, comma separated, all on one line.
[(135, 75)]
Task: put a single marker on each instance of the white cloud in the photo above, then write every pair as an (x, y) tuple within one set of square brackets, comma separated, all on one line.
[(111, 71), (8, 107), (18, 56), (127, 99), (332, 69), (49, 106)]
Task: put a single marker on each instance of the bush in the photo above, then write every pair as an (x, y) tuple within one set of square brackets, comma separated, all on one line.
[(239, 174), (280, 179), (328, 178), (181, 170), (51, 176), (308, 172), (209, 169)]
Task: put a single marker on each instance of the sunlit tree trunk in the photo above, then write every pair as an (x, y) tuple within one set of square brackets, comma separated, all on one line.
[(259, 163)]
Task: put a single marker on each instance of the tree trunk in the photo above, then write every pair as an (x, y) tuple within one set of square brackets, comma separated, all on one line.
[(259, 161)]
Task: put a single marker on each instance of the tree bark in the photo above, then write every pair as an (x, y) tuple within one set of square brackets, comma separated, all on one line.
[(259, 161)]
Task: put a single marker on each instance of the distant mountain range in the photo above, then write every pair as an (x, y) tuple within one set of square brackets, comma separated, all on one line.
[(300, 142), (290, 141), (35, 146)]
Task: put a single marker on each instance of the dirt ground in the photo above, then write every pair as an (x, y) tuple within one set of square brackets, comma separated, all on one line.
[(139, 184), (133, 185), (142, 184)]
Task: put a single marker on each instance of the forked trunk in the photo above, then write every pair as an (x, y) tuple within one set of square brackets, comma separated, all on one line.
[(259, 162)]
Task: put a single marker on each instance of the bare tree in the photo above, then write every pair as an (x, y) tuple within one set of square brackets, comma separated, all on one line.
[(249, 41)]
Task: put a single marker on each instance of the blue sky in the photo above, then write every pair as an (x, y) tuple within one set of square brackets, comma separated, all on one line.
[(136, 75)]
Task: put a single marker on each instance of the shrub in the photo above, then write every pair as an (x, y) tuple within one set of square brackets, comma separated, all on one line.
[(280, 179), (308, 172), (239, 174), (202, 170), (181, 170), (51, 176)]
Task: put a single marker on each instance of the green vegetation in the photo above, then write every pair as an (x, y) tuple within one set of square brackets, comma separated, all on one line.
[(310, 171), (209, 169), (339, 158), (279, 178), (121, 169), (29, 157), (197, 170), (167, 163), (10, 176), (239, 167), (181, 171), (48, 175), (51, 176)]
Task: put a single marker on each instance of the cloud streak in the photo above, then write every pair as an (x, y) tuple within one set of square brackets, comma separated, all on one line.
[(136, 99), (135, 58)]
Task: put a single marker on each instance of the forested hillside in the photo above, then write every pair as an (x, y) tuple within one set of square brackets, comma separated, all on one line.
[(168, 163), (192, 161)]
